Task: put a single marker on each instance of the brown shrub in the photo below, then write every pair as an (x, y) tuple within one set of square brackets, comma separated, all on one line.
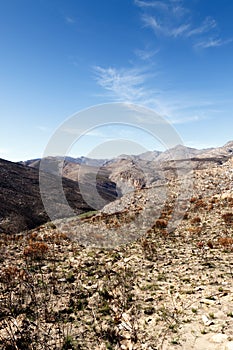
[(193, 199), (36, 250), (9, 274), (200, 203), (166, 213), (225, 241), (195, 230), (196, 220), (161, 223), (228, 218)]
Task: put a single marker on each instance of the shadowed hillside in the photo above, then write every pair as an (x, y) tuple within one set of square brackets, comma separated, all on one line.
[(21, 206)]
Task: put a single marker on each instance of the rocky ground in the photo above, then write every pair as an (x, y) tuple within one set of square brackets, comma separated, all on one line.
[(64, 287)]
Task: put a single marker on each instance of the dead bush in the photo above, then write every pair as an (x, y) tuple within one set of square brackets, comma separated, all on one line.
[(200, 203), (160, 223), (9, 274), (194, 230), (196, 220), (228, 218), (225, 241), (36, 250)]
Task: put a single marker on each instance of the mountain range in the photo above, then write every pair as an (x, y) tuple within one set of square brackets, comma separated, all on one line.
[(21, 207)]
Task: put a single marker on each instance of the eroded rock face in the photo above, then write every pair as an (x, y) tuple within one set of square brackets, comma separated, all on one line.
[(129, 180)]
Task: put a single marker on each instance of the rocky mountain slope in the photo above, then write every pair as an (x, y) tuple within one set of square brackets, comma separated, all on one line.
[(154, 287), (135, 172)]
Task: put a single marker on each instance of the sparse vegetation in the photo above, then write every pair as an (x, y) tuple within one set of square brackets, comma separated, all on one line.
[(151, 292)]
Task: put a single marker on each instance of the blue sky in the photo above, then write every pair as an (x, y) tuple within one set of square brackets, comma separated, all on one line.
[(59, 57)]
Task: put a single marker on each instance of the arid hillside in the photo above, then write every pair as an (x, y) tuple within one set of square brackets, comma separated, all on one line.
[(109, 280)]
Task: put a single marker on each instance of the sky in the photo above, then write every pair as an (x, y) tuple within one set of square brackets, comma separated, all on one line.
[(59, 57)]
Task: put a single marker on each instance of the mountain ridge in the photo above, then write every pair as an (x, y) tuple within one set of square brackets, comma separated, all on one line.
[(115, 178)]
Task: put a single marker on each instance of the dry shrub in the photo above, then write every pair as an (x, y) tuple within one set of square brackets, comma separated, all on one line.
[(193, 200), (225, 241), (166, 213), (196, 220), (36, 250), (200, 203), (228, 218), (163, 215), (9, 274), (195, 230), (160, 223)]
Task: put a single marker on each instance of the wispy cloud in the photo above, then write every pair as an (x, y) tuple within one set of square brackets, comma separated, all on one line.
[(171, 18), (160, 28), (123, 84), (130, 86), (208, 24), (166, 18), (152, 23), (148, 4), (183, 30), (145, 55), (174, 7), (178, 10), (179, 31), (210, 42)]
